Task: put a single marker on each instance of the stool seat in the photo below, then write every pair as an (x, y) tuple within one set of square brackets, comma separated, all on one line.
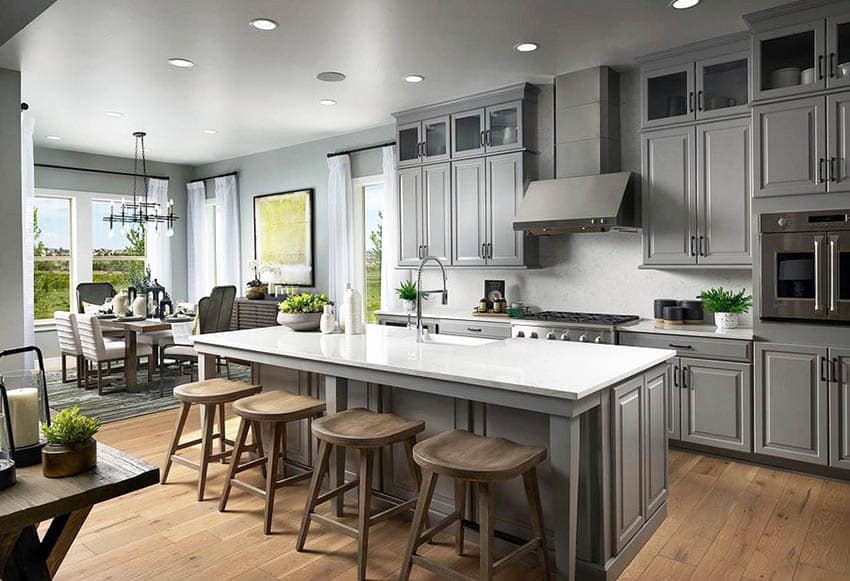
[(278, 406), (217, 390), (468, 456), (361, 428)]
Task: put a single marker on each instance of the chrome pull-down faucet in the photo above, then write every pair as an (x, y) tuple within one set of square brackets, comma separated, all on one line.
[(421, 293)]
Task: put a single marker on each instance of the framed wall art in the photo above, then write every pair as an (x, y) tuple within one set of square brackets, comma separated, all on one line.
[(284, 237)]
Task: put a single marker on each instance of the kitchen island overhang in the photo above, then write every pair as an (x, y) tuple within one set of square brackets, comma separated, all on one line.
[(610, 400)]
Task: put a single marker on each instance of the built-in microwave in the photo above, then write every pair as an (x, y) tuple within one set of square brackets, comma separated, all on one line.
[(805, 265)]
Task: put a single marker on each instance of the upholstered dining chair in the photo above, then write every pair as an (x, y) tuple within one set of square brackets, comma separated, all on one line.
[(69, 344), (97, 351), (93, 293)]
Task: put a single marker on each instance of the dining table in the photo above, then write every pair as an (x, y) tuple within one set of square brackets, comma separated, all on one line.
[(65, 503), (132, 329)]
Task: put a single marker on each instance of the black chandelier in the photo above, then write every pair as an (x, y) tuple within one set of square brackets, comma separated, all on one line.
[(141, 210)]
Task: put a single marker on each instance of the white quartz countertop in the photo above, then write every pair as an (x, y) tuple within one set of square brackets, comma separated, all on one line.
[(456, 315), (649, 326), (552, 368)]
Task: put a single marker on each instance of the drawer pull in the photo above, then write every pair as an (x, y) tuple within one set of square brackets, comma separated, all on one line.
[(677, 346), (473, 329)]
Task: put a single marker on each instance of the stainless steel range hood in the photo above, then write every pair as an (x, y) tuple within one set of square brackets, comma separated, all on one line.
[(595, 203)]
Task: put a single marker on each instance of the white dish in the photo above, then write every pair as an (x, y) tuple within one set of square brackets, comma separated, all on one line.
[(787, 77), (807, 76)]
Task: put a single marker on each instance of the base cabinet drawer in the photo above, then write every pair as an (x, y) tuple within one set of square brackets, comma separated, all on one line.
[(726, 349), (474, 329)]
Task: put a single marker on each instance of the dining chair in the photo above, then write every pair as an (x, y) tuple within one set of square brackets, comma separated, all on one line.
[(97, 351), (69, 344), (93, 293)]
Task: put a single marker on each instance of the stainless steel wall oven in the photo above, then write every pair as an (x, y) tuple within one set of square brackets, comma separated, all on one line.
[(805, 265)]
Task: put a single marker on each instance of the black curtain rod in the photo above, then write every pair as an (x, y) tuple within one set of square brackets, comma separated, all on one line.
[(224, 175), (100, 171), (358, 149)]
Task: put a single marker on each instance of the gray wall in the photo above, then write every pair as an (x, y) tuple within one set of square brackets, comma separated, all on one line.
[(291, 168), (11, 232)]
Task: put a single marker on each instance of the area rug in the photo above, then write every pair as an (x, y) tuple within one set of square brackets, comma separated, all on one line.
[(117, 403)]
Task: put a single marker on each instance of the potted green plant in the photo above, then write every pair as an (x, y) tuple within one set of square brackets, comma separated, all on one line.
[(302, 312), (726, 305), (406, 292), (70, 448)]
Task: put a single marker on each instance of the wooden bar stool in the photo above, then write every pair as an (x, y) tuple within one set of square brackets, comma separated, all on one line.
[(485, 461), (211, 394), (274, 409), (366, 432)]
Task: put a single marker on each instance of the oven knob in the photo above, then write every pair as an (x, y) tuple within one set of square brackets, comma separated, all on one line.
[(583, 339), (550, 335), (565, 337), (781, 222), (520, 334), (533, 335), (598, 339)]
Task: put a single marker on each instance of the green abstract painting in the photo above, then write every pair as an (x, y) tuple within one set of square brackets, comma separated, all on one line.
[(283, 235)]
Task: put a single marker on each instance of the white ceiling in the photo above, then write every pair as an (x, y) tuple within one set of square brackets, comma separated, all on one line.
[(259, 90)]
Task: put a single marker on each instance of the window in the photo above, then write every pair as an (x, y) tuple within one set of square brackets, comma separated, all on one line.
[(369, 203), (52, 252), (118, 255)]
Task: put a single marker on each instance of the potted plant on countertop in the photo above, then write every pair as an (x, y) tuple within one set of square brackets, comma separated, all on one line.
[(726, 305), (256, 289), (406, 292), (70, 448), (302, 312)]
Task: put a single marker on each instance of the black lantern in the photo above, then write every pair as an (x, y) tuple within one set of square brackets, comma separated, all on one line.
[(7, 443), (26, 407)]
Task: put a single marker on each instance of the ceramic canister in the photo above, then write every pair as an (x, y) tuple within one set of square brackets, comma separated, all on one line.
[(673, 315), (658, 308), (693, 311)]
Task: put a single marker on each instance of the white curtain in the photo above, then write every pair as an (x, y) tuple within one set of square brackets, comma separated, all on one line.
[(391, 277), (227, 267), (196, 218), (158, 243), (342, 267), (27, 205)]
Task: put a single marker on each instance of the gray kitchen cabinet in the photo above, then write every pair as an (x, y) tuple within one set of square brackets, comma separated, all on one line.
[(837, 49), (715, 398), (791, 419), (505, 188), (469, 202), (423, 141), (839, 409), (722, 85), (838, 140), (409, 140), (656, 439), (669, 196), (424, 195), (800, 47), (410, 216), (629, 434), (468, 133), (505, 128), (667, 95), (788, 144), (723, 192)]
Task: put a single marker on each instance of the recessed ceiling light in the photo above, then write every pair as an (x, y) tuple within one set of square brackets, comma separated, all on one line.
[(114, 114), (53, 137), (327, 102), (414, 78), (264, 24), (331, 76), (181, 63), (526, 46), (210, 131), (683, 4)]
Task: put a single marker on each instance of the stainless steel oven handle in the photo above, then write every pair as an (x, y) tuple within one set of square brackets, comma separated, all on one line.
[(833, 273), (817, 274)]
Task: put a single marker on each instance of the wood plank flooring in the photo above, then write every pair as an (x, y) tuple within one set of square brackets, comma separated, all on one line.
[(726, 520)]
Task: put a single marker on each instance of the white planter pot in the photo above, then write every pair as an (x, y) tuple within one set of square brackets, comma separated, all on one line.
[(408, 306), (726, 320), (300, 321)]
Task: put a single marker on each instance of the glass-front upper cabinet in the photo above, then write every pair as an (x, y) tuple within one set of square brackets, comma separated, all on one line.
[(668, 95), (723, 85), (789, 61), (504, 127), (436, 139), (468, 133), (838, 51), (409, 144)]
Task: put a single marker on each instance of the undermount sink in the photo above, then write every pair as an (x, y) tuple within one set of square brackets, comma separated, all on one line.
[(455, 340)]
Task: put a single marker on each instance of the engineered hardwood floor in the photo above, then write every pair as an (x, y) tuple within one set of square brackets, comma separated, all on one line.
[(726, 520)]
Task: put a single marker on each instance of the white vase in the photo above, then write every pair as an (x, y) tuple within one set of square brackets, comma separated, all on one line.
[(353, 311), (726, 320), (140, 306), (327, 324)]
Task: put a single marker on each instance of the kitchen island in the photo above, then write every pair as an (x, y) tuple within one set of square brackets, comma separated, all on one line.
[(598, 409)]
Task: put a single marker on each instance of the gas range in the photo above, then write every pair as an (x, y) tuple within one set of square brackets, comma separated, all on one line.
[(569, 326)]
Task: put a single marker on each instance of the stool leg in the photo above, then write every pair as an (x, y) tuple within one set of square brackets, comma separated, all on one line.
[(206, 447), (415, 472), (423, 503), (532, 493), (221, 432), (486, 518), (257, 433), (238, 447), (178, 431), (271, 479), (364, 510), (460, 507), (64, 368), (315, 488)]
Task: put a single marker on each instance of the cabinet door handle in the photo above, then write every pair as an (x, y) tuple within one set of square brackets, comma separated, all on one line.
[(680, 346), (693, 245), (685, 377), (820, 66), (699, 100), (691, 101), (473, 330), (489, 250), (821, 164), (831, 170), (702, 245), (836, 370), (832, 65), (676, 376), (483, 253), (487, 138), (824, 370), (482, 139)]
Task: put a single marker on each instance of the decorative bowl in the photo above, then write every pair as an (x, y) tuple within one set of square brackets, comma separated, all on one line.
[(300, 321), (61, 461), (787, 77)]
